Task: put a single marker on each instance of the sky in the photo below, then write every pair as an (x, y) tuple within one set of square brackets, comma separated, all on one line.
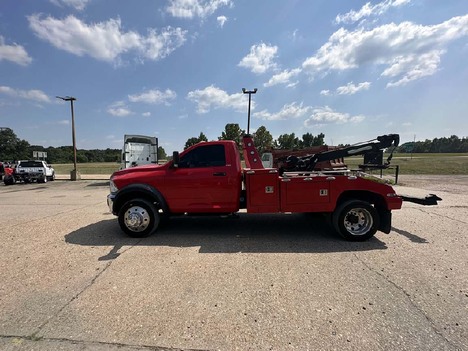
[(352, 70)]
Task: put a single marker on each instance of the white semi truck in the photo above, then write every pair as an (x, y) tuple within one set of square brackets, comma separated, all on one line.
[(139, 150)]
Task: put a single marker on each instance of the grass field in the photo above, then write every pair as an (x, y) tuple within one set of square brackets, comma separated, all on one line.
[(417, 164)]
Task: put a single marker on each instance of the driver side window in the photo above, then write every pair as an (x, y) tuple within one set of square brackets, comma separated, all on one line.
[(204, 156)]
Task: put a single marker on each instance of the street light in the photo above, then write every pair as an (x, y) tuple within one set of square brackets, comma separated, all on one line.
[(74, 175), (250, 92)]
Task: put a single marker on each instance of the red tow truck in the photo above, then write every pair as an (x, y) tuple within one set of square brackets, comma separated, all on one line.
[(208, 178)]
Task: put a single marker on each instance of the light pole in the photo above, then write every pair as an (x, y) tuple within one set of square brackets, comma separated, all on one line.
[(74, 175), (250, 92)]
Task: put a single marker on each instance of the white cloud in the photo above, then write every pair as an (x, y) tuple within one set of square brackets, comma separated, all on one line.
[(160, 45), (146, 114), (221, 20), (283, 77), (413, 67), (105, 40), (64, 122), (119, 109), (155, 97), (14, 53), (288, 111), (213, 97), (351, 88), (369, 10), (35, 95), (195, 8), (325, 92), (77, 4), (410, 51), (323, 115), (260, 59)]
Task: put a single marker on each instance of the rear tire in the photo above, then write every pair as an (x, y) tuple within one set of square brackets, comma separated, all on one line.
[(356, 220), (138, 218)]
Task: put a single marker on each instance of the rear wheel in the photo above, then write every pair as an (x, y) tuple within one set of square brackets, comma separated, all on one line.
[(356, 220), (138, 218)]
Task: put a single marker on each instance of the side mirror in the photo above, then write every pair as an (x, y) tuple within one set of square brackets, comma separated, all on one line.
[(175, 159)]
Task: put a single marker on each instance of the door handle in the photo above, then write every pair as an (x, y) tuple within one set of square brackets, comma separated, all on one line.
[(219, 174)]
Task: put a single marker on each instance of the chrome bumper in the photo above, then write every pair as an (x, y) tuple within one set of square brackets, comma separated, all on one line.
[(110, 202)]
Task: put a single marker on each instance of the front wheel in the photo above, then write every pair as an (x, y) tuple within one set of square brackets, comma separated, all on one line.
[(9, 180), (356, 220), (138, 218)]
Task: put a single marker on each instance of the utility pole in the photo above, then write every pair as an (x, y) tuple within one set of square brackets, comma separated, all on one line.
[(74, 175), (250, 92)]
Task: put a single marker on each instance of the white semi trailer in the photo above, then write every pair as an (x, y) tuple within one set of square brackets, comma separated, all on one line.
[(139, 150)]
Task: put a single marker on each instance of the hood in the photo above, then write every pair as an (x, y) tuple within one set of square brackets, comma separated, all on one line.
[(139, 169)]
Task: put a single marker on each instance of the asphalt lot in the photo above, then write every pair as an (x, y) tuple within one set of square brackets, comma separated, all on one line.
[(70, 280)]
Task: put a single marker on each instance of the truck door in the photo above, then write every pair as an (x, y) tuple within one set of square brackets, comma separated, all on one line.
[(203, 182)]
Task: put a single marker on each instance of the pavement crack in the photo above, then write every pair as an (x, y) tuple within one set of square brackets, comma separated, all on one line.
[(16, 339), (442, 216), (411, 302)]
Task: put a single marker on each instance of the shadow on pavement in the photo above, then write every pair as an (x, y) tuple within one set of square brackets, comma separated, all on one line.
[(103, 183), (413, 237), (295, 233)]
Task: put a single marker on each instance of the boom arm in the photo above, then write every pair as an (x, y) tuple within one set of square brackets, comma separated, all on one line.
[(307, 163)]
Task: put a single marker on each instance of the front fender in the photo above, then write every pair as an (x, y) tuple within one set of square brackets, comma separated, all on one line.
[(143, 191)]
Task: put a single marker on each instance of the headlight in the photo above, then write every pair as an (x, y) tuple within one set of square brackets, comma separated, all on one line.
[(113, 187)]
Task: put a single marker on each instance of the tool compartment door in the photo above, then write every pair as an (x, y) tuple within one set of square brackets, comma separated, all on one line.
[(305, 193), (262, 190)]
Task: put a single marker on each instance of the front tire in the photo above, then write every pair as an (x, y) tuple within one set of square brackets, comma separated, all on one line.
[(356, 220), (9, 180), (138, 218)]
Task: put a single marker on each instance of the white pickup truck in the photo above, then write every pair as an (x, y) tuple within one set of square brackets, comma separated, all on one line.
[(30, 171)]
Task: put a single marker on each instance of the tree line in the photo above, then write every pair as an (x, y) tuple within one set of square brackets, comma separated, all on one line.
[(263, 139), (453, 144), (12, 148)]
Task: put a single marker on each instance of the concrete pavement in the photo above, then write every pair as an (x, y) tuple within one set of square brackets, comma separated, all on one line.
[(70, 280)]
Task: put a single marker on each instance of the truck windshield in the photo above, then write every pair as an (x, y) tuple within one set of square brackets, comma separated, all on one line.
[(31, 164)]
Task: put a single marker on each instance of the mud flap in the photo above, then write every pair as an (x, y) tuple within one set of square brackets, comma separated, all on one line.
[(385, 221)]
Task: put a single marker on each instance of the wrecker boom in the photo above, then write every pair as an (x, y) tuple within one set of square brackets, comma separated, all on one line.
[(307, 163)]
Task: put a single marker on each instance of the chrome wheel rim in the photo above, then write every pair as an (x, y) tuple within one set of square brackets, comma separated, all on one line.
[(137, 219), (358, 221)]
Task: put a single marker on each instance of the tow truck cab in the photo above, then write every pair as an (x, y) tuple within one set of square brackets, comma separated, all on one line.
[(207, 178)]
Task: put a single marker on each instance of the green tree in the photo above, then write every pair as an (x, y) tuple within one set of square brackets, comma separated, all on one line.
[(287, 142), (11, 147), (194, 140), (161, 153), (232, 131), (309, 140), (262, 139)]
